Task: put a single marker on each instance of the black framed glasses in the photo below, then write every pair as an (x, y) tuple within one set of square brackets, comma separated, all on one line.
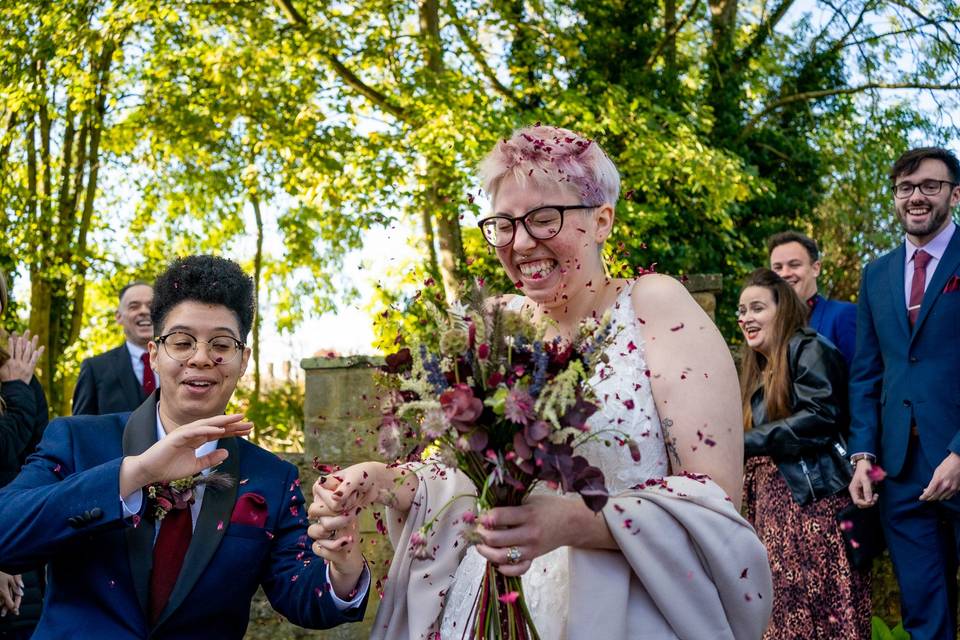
[(927, 187), (181, 346), (541, 223)]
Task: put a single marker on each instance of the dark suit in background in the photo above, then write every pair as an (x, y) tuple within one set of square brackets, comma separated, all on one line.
[(837, 322), (107, 384)]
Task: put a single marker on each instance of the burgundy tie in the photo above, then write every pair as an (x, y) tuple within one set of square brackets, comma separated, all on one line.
[(920, 261), (149, 382), (176, 529)]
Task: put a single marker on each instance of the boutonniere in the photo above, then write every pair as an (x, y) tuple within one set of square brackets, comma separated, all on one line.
[(163, 497)]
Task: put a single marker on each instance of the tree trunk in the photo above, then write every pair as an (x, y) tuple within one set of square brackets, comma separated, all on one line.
[(257, 267), (434, 201), (725, 82)]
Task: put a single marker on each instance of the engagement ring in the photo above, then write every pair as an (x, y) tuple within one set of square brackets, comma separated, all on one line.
[(513, 555)]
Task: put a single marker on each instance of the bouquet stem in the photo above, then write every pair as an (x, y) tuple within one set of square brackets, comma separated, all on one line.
[(496, 618)]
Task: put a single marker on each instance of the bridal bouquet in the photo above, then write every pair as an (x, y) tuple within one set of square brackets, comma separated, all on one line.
[(508, 409)]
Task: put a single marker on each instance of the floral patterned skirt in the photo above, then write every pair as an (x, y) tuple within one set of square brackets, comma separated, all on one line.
[(817, 594)]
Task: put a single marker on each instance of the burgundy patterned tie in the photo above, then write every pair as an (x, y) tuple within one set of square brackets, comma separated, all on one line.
[(149, 382), (171, 546), (920, 261)]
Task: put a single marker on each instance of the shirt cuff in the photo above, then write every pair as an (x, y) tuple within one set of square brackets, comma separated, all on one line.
[(132, 504), (363, 585)]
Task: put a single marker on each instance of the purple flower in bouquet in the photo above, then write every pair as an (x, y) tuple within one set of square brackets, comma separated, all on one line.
[(461, 407), (506, 408), (419, 547), (435, 424), (398, 362), (519, 406)]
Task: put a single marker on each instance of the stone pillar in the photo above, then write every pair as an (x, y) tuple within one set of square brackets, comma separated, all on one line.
[(705, 287), (341, 416)]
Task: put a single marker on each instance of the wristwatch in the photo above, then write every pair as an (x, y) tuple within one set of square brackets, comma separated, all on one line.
[(857, 457)]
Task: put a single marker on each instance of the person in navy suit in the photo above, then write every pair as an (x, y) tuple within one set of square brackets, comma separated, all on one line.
[(119, 379), (905, 392), (127, 556), (795, 257)]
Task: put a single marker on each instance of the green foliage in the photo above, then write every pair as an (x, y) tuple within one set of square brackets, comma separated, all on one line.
[(277, 415), (215, 125), (880, 630)]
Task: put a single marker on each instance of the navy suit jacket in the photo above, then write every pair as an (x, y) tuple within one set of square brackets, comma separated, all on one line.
[(837, 322), (107, 384), (901, 376), (64, 510)]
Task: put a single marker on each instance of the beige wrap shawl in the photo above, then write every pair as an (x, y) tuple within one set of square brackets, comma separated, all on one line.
[(689, 566)]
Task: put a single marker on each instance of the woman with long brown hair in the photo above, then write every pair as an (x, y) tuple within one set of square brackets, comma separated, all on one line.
[(23, 417), (794, 393)]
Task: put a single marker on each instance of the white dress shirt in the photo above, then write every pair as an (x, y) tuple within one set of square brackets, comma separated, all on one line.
[(935, 248), (136, 353)]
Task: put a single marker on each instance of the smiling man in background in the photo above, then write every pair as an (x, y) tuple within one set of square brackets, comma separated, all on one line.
[(796, 258), (120, 379)]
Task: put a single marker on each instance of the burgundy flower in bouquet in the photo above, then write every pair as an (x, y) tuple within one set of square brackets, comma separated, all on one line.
[(508, 409)]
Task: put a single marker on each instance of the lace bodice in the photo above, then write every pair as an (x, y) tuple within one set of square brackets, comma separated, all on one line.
[(627, 410)]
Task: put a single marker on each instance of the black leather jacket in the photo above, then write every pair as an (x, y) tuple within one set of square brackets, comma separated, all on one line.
[(807, 446)]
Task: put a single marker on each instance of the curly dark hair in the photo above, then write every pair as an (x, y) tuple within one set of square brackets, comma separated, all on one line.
[(206, 279)]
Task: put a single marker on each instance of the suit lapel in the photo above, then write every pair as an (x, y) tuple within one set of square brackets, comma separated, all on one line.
[(139, 435), (211, 524), (128, 379), (947, 267), (897, 287)]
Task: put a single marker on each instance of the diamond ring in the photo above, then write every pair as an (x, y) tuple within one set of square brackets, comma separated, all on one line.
[(513, 555)]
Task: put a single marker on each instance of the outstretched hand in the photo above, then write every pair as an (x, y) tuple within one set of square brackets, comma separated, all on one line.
[(346, 492), (24, 355), (175, 457)]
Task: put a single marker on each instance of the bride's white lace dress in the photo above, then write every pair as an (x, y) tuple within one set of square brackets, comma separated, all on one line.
[(627, 410)]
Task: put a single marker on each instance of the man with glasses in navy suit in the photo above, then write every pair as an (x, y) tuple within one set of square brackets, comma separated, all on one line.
[(905, 392)]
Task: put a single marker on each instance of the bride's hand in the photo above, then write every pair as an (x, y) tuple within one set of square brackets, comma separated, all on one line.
[(540, 525), (536, 528)]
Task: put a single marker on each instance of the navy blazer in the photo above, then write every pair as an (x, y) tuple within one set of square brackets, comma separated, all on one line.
[(64, 510), (107, 384), (837, 322), (901, 376)]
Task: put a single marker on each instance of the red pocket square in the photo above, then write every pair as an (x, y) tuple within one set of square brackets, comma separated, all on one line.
[(251, 510), (953, 284)]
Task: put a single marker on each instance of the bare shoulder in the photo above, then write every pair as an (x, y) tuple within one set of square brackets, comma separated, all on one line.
[(663, 296)]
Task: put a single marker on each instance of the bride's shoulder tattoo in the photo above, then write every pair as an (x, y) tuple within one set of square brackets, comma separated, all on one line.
[(670, 441)]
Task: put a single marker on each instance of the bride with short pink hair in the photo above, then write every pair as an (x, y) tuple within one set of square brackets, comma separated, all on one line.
[(669, 556)]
